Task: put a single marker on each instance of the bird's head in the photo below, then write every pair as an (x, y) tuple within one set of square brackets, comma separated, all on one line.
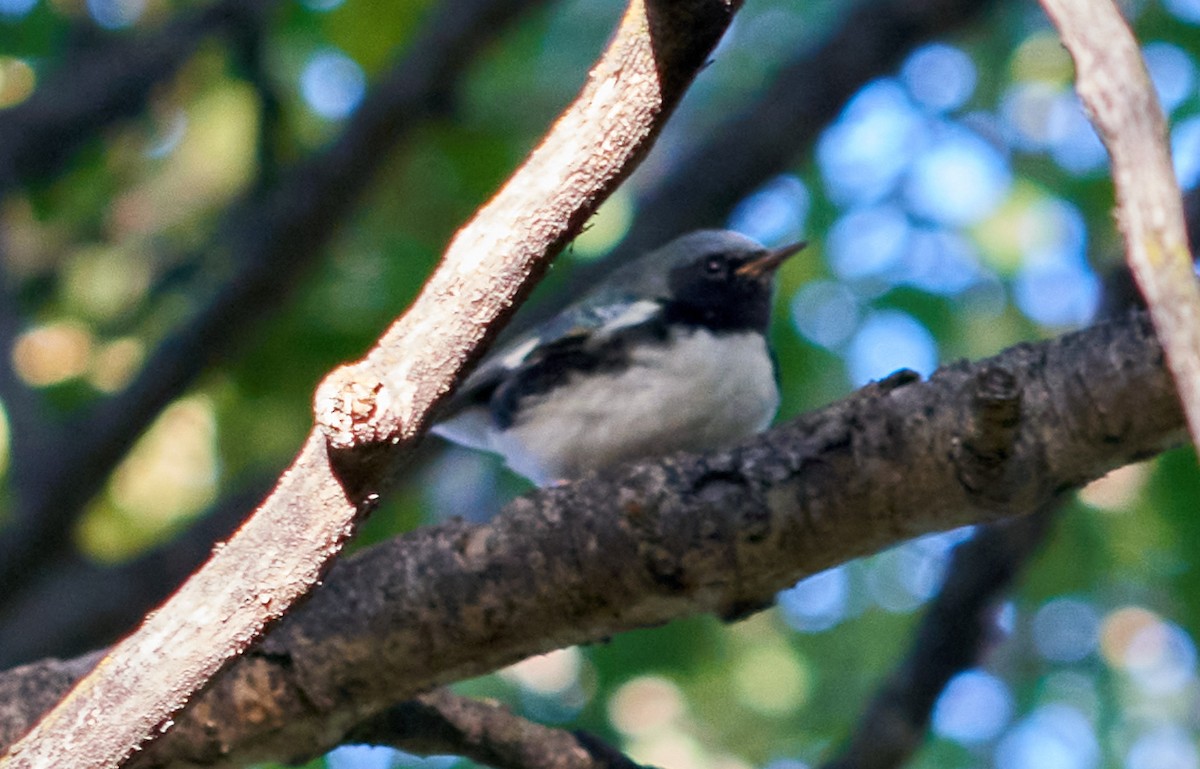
[(720, 279)]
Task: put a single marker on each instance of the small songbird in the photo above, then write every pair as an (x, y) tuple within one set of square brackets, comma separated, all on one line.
[(669, 353)]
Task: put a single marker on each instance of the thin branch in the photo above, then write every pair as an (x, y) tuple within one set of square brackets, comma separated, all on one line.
[(284, 548), (655, 541), (953, 636), (1115, 88), (442, 723)]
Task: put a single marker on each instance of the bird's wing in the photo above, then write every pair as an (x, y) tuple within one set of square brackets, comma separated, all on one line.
[(538, 359)]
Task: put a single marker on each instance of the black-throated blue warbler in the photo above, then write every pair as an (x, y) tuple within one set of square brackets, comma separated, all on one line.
[(669, 353)]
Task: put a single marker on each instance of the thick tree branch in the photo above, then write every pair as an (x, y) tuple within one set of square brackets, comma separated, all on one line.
[(1120, 100), (650, 542), (283, 548)]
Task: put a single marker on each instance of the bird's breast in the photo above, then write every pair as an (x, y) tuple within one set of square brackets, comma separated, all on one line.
[(700, 390)]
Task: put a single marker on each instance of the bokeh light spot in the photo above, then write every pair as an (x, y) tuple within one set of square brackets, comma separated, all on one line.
[(1057, 295), (11, 10), (973, 708), (1118, 629), (770, 680), (1173, 73), (864, 153), (53, 353), (115, 363), (1065, 630), (903, 577), (1184, 10), (775, 213), (866, 242), (169, 476), (547, 674), (105, 282), (1118, 490), (116, 14), (1054, 736), (332, 84), (361, 757), (1041, 57), (1167, 746), (940, 261), (1185, 151), (17, 81), (959, 180), (1161, 659), (939, 76), (816, 603), (606, 228), (825, 312), (644, 705), (890, 340), (1051, 231)]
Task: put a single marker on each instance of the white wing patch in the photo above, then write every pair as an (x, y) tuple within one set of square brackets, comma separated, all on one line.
[(516, 356), (616, 318)]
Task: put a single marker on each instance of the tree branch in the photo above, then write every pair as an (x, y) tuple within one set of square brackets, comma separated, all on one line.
[(646, 543), (1116, 90), (283, 548), (442, 723)]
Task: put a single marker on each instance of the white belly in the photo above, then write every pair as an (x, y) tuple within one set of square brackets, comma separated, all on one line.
[(711, 391)]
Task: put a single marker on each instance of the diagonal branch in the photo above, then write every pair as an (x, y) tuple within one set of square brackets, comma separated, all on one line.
[(1116, 90), (283, 549), (655, 541)]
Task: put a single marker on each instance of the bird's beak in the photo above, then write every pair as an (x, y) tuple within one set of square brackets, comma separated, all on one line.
[(768, 262)]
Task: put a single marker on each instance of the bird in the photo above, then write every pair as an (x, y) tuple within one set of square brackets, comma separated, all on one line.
[(668, 353)]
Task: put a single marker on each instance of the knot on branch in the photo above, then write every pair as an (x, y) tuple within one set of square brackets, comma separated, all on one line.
[(989, 439), (349, 406)]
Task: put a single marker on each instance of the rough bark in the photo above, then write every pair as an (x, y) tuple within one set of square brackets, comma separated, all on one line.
[(649, 542)]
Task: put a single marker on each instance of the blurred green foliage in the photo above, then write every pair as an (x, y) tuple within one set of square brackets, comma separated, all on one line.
[(162, 206)]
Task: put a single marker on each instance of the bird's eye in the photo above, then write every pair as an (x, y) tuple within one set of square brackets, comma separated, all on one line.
[(714, 267)]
